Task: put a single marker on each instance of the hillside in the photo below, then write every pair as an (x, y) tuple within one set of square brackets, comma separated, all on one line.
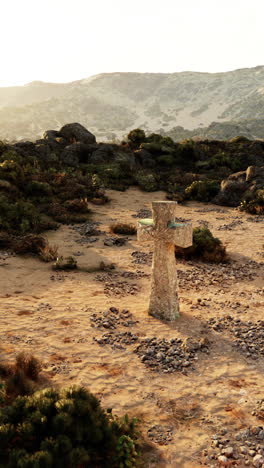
[(111, 104)]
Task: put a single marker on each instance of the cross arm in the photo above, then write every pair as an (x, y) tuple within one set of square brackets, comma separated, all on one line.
[(145, 230)]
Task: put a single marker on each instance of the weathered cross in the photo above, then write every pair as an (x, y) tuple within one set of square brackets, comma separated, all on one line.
[(166, 232)]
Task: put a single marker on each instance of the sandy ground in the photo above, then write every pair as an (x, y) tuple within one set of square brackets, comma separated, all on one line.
[(48, 313)]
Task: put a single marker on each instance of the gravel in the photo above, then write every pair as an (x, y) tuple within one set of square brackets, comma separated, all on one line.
[(248, 337), (245, 448), (117, 340), (112, 318), (142, 258), (161, 435), (169, 356)]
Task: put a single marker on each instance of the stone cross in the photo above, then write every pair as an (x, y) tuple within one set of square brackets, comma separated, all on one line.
[(166, 232)]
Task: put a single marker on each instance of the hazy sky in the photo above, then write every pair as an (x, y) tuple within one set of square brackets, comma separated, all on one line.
[(65, 40)]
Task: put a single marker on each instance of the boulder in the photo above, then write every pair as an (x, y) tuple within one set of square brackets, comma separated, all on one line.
[(145, 158), (51, 134), (104, 153), (77, 153), (235, 188), (75, 132), (113, 153)]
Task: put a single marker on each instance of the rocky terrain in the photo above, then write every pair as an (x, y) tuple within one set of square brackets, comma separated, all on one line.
[(212, 105)]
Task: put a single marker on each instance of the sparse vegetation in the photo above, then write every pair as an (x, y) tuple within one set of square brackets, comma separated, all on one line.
[(21, 378), (123, 228), (68, 263), (66, 428), (35, 244), (205, 247)]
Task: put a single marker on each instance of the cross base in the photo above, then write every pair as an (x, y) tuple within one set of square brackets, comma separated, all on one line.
[(164, 301)]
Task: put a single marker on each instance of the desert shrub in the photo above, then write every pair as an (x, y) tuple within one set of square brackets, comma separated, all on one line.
[(222, 159), (116, 176), (18, 216), (123, 228), (49, 253), (5, 240), (165, 160), (35, 244), (77, 205), (29, 364), (205, 247), (255, 206), (38, 189), (136, 137), (30, 243), (146, 182), (63, 215), (202, 190), (68, 263), (10, 170), (21, 377), (64, 429)]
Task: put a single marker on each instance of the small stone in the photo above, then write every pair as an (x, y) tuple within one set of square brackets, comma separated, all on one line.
[(243, 449), (252, 453), (222, 459), (258, 461), (228, 451)]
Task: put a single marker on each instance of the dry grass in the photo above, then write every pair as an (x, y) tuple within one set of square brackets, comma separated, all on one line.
[(123, 228)]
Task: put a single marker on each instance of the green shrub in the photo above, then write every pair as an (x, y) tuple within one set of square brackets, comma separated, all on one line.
[(205, 247), (165, 160), (202, 190), (64, 429), (20, 217), (37, 189), (10, 170), (255, 206), (146, 182), (136, 137)]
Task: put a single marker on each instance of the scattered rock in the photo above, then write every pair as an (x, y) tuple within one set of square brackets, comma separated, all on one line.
[(166, 356), (142, 258), (248, 337), (112, 318)]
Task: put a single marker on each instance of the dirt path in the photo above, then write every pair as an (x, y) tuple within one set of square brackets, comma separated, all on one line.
[(49, 314)]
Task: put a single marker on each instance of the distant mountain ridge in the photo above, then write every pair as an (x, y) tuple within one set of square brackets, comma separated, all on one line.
[(111, 104)]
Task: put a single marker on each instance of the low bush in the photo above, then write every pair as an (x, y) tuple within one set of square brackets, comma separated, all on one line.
[(65, 215), (205, 247), (123, 228), (255, 206), (34, 244), (68, 263), (65, 429), (146, 181), (202, 190), (20, 378), (18, 217), (77, 205)]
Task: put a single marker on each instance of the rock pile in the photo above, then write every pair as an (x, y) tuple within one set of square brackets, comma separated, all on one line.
[(112, 318), (142, 258), (248, 336), (117, 241), (168, 356), (161, 435), (144, 213), (200, 276), (230, 226), (246, 448), (117, 340)]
